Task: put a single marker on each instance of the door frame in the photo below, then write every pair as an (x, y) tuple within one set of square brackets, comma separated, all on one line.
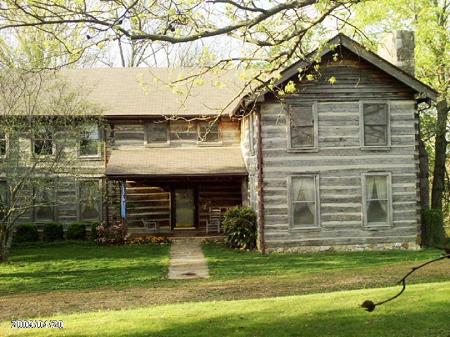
[(173, 204)]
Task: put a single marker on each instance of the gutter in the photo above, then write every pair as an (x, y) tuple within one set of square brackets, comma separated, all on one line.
[(262, 245)]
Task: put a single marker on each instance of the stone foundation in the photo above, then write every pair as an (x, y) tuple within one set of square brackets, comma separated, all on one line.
[(347, 248)]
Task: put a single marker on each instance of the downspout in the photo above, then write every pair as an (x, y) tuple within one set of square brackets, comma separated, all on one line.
[(262, 245)]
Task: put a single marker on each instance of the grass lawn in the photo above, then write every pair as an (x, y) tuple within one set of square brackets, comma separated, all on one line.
[(45, 279), (225, 263), (84, 265), (422, 311)]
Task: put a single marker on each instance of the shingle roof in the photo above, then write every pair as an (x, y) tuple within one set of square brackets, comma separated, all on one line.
[(146, 91), (176, 161)]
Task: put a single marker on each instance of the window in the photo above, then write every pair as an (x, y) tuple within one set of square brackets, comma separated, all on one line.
[(89, 200), (3, 198), (3, 143), (128, 134), (375, 120), (44, 203), (377, 199), (90, 141), (182, 130), (43, 142), (208, 132), (303, 126), (157, 132), (304, 201)]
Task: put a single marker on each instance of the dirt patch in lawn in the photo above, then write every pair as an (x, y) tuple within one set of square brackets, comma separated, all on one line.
[(44, 304)]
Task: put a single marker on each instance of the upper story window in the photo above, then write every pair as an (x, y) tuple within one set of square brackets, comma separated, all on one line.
[(304, 208), (377, 200), (208, 132), (183, 130), (43, 144), (90, 141), (157, 132), (303, 131), (375, 124), (3, 143)]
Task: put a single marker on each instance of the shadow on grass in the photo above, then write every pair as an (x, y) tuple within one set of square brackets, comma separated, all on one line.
[(426, 320), (81, 266)]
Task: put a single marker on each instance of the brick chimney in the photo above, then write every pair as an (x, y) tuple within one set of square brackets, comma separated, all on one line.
[(397, 47)]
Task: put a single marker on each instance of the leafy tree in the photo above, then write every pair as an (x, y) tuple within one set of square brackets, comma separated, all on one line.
[(431, 21), (41, 120), (268, 34)]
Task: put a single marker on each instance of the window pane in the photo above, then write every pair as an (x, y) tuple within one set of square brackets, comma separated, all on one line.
[(376, 187), (303, 188), (375, 135), (304, 214), (43, 147), (89, 200), (302, 115), (88, 147), (377, 211), (208, 132), (181, 130), (302, 136), (375, 114), (301, 125), (157, 132), (2, 143), (44, 205), (303, 201), (124, 136)]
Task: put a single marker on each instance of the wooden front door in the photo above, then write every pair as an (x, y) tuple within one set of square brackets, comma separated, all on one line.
[(184, 208)]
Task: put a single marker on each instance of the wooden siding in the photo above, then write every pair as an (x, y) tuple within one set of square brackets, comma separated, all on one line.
[(146, 202), (131, 134), (340, 160)]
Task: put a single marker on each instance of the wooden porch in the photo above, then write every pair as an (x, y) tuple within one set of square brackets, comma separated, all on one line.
[(173, 206)]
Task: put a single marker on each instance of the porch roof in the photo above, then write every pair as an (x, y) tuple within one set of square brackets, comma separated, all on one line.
[(176, 162)]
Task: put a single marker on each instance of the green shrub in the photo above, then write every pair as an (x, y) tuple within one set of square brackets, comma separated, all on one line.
[(240, 228), (433, 233), (53, 232), (93, 235), (76, 231), (26, 233)]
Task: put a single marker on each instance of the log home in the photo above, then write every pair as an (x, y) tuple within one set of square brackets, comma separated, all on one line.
[(332, 163)]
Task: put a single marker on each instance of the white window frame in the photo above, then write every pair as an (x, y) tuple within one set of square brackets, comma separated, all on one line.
[(361, 126), (99, 181), (147, 142), (99, 147), (304, 148), (291, 198), (390, 210)]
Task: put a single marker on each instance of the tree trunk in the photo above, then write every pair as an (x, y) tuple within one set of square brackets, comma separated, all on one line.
[(424, 182), (440, 149), (5, 242)]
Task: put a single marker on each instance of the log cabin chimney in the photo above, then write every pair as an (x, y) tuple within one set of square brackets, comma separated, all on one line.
[(397, 47)]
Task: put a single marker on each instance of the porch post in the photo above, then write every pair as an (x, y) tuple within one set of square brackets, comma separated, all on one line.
[(123, 201)]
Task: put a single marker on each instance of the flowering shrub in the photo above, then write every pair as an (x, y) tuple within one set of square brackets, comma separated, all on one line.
[(116, 234), (149, 239)]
